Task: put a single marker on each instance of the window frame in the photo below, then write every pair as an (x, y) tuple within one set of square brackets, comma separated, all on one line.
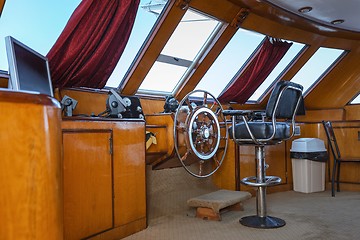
[(324, 73), (206, 47)]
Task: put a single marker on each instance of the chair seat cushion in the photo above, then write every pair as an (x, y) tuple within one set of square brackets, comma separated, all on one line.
[(261, 130)]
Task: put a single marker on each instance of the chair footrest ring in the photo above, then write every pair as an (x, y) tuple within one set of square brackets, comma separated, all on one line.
[(269, 181)]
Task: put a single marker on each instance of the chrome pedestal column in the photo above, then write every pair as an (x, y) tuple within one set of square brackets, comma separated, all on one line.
[(261, 181)]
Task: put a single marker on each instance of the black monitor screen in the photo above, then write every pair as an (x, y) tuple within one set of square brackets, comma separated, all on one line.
[(29, 70)]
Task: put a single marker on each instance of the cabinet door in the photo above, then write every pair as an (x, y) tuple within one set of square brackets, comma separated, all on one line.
[(88, 183)]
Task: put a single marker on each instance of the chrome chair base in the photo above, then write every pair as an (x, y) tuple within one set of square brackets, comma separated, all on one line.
[(262, 222), (261, 181)]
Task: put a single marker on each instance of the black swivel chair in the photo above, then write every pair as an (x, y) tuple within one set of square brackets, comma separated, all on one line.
[(337, 157), (271, 127)]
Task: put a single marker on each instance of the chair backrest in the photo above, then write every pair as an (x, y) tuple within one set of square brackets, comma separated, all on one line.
[(331, 139), (284, 100)]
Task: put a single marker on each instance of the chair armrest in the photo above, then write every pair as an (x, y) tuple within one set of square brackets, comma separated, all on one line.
[(236, 112), (250, 114)]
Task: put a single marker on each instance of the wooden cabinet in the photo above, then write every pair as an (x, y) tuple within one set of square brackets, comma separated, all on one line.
[(104, 178)]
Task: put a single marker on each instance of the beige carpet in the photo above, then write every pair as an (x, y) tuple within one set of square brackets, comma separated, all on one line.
[(307, 216)]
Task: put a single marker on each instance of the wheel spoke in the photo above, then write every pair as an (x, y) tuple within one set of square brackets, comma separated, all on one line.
[(189, 104), (212, 106), (201, 164), (181, 128), (223, 138), (218, 111), (216, 160), (183, 158), (205, 99)]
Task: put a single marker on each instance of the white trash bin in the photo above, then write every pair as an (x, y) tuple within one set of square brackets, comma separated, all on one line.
[(308, 157)]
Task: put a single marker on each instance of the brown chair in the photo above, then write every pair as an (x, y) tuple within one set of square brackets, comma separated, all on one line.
[(271, 127), (337, 157)]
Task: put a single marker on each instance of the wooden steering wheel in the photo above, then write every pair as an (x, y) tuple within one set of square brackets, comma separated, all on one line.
[(200, 133)]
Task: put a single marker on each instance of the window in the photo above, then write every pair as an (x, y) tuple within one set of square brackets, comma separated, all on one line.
[(317, 67), (236, 53), (356, 100), (280, 69), (146, 17), (184, 47)]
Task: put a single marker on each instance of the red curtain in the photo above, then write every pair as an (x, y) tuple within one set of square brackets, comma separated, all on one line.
[(91, 43), (269, 55)]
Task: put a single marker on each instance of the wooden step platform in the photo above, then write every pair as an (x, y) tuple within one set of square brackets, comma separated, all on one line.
[(210, 206)]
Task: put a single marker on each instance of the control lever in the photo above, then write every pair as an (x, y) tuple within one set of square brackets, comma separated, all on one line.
[(68, 104), (116, 104)]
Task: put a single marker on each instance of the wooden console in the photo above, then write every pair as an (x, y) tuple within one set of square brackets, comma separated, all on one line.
[(30, 177)]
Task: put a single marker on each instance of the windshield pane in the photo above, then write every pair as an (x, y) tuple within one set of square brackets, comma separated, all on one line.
[(163, 77), (356, 100), (317, 67), (185, 44), (278, 71), (146, 17), (232, 58)]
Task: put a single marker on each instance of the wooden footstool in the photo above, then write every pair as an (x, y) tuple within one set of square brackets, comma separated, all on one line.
[(210, 205)]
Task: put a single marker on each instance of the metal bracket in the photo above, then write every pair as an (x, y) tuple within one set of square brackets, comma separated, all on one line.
[(183, 4), (240, 17)]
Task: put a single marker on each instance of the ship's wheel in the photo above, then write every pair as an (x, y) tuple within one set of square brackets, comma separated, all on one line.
[(200, 133)]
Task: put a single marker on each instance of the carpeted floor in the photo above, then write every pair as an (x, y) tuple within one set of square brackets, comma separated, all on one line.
[(307, 216)]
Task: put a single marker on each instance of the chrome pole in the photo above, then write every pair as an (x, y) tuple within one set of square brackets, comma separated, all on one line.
[(260, 178)]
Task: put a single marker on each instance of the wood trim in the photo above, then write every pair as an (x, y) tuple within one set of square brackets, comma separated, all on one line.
[(2, 3), (122, 231), (10, 96), (156, 126)]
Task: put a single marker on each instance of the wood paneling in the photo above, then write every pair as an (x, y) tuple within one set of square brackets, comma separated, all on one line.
[(275, 157), (89, 102), (152, 106), (347, 136), (224, 177), (30, 174), (319, 115), (352, 112)]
